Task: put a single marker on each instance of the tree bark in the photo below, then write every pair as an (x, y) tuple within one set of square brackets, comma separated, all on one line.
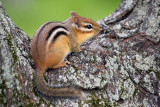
[(123, 62)]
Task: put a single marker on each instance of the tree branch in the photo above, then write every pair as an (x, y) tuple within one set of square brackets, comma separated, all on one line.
[(123, 61)]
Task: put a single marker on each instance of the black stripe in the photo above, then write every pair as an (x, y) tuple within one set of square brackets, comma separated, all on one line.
[(41, 30), (53, 29), (58, 34), (43, 27)]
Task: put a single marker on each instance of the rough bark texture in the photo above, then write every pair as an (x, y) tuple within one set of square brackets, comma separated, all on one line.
[(123, 62)]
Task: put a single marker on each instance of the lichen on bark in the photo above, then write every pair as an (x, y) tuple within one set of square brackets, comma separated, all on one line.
[(123, 62), (133, 41)]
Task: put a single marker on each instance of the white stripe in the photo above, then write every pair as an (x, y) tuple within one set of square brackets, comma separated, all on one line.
[(86, 23), (85, 29), (82, 28), (54, 33)]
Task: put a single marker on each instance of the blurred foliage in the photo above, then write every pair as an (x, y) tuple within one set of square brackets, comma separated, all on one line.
[(30, 14)]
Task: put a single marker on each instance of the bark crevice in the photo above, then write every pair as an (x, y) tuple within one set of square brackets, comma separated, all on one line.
[(123, 61)]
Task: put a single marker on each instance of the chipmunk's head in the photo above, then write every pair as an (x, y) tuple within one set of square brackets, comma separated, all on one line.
[(85, 27)]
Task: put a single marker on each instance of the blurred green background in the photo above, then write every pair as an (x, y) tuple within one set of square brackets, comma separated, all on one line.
[(30, 14)]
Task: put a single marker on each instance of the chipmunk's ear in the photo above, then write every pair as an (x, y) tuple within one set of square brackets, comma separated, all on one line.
[(73, 14), (76, 21)]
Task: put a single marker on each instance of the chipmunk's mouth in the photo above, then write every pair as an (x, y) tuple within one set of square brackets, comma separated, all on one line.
[(101, 30)]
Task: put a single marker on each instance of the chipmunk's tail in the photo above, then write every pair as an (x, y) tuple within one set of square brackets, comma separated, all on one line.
[(47, 90)]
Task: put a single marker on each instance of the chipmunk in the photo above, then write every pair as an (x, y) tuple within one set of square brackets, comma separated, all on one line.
[(52, 42)]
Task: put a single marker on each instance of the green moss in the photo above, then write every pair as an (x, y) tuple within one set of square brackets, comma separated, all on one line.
[(149, 71), (12, 48), (103, 79), (92, 59), (17, 94), (75, 68), (79, 103), (34, 104), (67, 71), (45, 78), (140, 106), (157, 74), (34, 85), (30, 105), (122, 54), (121, 91), (104, 87), (3, 87), (95, 101), (114, 104), (95, 59), (135, 92), (27, 102)]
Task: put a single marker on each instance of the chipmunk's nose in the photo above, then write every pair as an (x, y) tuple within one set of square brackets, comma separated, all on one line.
[(101, 30)]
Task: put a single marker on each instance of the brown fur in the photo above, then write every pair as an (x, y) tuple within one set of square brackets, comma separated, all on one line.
[(53, 55)]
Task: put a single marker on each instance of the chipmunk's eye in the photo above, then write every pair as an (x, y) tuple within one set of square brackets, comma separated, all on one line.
[(88, 26)]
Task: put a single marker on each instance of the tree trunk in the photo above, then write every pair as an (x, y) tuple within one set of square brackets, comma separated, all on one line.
[(123, 62)]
